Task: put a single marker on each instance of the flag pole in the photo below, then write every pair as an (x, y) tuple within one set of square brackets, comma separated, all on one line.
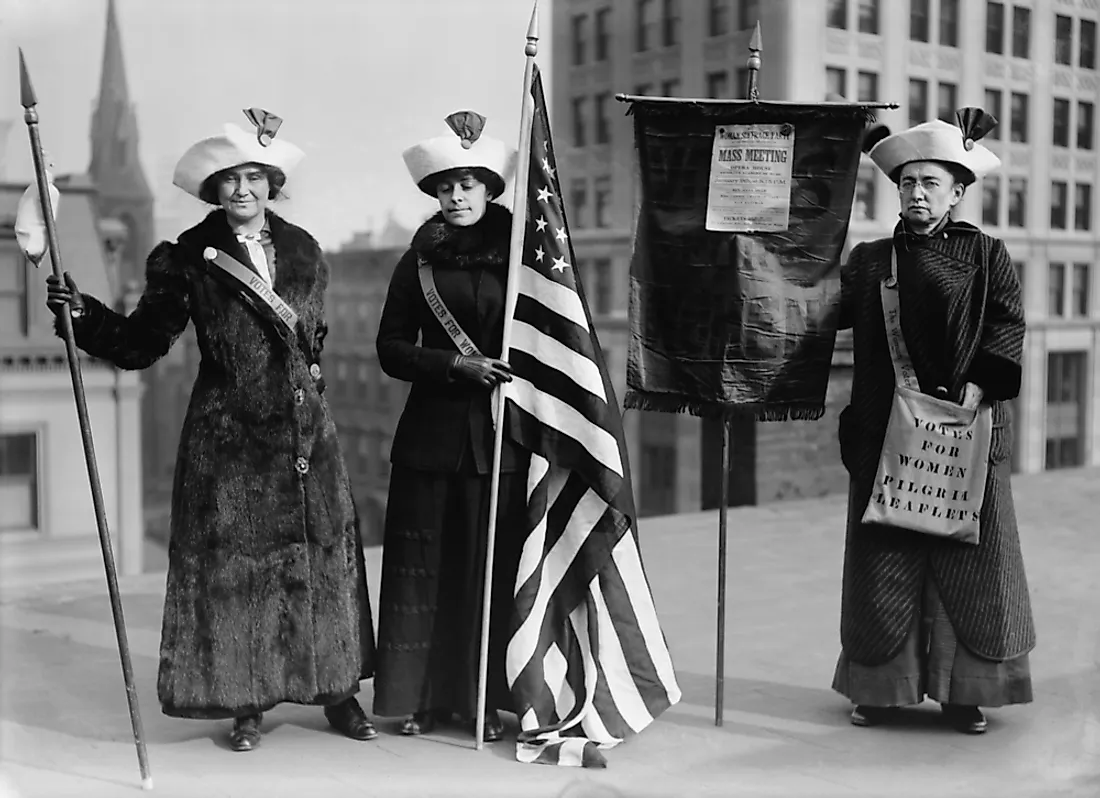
[(753, 94), (515, 255), (30, 116)]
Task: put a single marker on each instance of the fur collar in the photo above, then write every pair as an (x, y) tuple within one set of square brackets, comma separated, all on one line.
[(483, 245)]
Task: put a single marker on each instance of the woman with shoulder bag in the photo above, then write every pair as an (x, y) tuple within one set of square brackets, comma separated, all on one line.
[(924, 614)]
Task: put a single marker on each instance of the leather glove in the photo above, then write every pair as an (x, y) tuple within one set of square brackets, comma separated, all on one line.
[(487, 371), (58, 296)]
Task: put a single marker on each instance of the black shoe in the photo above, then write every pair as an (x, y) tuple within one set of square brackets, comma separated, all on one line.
[(418, 723), (494, 727), (246, 733), (348, 718), (965, 719), (864, 715)]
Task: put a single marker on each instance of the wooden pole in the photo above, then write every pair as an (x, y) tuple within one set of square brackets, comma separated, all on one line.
[(30, 116), (519, 219)]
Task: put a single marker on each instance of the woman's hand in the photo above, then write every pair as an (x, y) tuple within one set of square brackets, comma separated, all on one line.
[(972, 396), (58, 296), (487, 371)]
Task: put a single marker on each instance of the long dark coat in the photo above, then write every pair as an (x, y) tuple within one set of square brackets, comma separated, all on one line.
[(266, 597), (962, 319), (437, 514)]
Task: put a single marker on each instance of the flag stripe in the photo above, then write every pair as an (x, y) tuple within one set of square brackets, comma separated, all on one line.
[(528, 431), (553, 354), (559, 298)]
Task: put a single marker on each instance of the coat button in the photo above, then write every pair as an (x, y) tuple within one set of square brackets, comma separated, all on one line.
[(299, 396), (315, 371), (302, 465)]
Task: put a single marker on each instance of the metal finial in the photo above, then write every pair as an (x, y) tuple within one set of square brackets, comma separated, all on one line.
[(755, 46), (26, 90), (532, 48)]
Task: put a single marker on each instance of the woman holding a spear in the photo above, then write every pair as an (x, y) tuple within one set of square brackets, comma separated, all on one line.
[(266, 598)]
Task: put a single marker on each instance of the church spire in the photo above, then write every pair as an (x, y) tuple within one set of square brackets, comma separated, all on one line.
[(115, 167)]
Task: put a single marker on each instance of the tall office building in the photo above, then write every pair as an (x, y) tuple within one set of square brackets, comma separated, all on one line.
[(1032, 63)]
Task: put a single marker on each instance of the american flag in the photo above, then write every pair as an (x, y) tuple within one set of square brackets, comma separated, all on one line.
[(587, 663)]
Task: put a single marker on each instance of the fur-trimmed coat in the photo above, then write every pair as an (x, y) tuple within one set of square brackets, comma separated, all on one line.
[(266, 597), (447, 422), (963, 321)]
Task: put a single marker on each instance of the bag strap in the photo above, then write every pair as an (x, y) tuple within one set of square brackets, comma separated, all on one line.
[(440, 310), (904, 372)]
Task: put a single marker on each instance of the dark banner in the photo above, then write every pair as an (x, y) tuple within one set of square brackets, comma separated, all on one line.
[(735, 277)]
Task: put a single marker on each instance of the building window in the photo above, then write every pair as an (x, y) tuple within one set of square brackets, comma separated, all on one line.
[(718, 17), (949, 23), (601, 286), (918, 20), (603, 126), (1017, 202), (580, 38), (1080, 301), (867, 87), (863, 209), (750, 13), (1056, 289), (991, 201), (14, 298), (1084, 125), (995, 28), (1086, 55), (670, 87), (993, 100), (836, 81), (579, 113), (718, 85), (657, 495), (1021, 32), (1065, 412), (836, 14), (19, 481), (603, 201), (947, 95), (1061, 122), (1059, 197), (1020, 267), (643, 89), (1082, 206), (742, 82), (1018, 117), (603, 34), (868, 16), (644, 23), (670, 23), (578, 204), (1063, 40), (918, 101)]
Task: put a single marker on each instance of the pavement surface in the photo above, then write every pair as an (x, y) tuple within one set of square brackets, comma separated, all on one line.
[(64, 728)]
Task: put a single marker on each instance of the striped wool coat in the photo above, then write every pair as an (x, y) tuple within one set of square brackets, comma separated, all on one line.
[(962, 318)]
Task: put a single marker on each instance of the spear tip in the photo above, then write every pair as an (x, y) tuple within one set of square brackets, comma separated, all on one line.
[(533, 27), (755, 43), (26, 90)]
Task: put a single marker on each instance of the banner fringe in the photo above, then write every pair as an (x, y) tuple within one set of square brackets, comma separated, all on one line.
[(674, 403)]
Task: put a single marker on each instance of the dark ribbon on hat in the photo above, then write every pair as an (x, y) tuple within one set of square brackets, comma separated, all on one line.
[(467, 125), (974, 123), (267, 124)]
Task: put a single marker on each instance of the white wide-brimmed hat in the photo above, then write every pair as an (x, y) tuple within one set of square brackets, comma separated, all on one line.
[(466, 148), (235, 147), (940, 141)]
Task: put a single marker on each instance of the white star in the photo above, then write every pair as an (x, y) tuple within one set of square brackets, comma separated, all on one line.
[(560, 235), (539, 253), (559, 265), (541, 222), (546, 167), (544, 194)]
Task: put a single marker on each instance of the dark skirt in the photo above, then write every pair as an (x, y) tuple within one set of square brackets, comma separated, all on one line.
[(433, 570)]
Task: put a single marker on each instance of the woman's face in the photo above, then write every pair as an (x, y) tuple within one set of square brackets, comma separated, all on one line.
[(928, 192), (243, 192), (462, 198)]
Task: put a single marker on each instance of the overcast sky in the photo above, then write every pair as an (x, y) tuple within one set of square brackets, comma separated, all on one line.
[(355, 81)]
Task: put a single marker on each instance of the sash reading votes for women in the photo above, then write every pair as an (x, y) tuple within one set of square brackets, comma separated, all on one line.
[(735, 276)]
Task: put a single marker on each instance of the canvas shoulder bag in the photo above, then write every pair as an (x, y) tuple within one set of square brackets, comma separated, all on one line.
[(935, 457)]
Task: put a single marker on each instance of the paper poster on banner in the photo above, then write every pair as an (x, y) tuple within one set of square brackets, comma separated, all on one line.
[(750, 178)]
